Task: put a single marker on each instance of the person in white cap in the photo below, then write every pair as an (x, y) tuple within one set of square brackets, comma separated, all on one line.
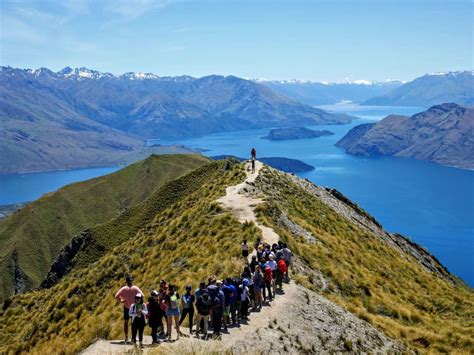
[(138, 312)]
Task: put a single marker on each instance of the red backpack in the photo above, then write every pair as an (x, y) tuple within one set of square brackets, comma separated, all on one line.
[(282, 266)]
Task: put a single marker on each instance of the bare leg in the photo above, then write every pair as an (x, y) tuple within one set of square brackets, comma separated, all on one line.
[(176, 320), (125, 329)]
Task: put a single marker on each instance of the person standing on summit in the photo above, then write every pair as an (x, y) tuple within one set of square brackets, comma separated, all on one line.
[(253, 154), (126, 295)]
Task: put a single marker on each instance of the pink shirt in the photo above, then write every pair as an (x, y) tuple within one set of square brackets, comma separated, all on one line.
[(127, 295)]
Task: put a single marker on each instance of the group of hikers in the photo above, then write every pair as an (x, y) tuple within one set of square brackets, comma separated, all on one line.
[(216, 303)]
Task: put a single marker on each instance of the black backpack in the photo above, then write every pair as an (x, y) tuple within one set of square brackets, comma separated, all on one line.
[(204, 302), (213, 291)]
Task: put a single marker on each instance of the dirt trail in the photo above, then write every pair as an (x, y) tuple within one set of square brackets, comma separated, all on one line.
[(242, 204)]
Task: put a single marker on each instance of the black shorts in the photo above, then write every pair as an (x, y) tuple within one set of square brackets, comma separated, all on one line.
[(126, 315), (245, 253)]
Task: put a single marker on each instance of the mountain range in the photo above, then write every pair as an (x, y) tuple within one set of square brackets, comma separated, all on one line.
[(355, 287), (430, 89), (56, 120), (325, 93), (443, 134), (425, 91)]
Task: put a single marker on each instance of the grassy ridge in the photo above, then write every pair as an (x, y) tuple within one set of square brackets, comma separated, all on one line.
[(184, 243), (36, 233), (368, 277)]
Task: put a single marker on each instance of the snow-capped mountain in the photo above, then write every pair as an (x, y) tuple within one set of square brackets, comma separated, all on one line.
[(431, 89), (327, 93)]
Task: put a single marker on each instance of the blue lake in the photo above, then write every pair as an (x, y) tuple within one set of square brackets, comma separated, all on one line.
[(432, 204)]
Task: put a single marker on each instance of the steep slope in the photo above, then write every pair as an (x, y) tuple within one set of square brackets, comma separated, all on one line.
[(429, 90), (344, 261), (443, 134), (320, 93), (32, 238), (344, 253)]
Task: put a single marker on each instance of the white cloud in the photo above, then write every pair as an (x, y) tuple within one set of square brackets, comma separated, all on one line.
[(132, 9)]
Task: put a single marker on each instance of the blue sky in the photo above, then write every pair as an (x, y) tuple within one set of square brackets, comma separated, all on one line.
[(313, 40)]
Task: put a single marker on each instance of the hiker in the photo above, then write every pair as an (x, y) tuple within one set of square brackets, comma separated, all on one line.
[(126, 295), (172, 310), (233, 300), (247, 272), (274, 267), (187, 301), (281, 270), (203, 307), (155, 320), (217, 306), (138, 312), (287, 254), (163, 291), (244, 298), (228, 295), (257, 279), (253, 154), (253, 263), (245, 249), (268, 277)]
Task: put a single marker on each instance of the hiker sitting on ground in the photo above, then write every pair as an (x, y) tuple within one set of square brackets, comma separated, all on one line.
[(138, 312), (126, 295), (172, 311), (187, 301)]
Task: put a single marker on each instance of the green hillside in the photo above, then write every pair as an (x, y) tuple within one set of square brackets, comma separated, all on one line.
[(193, 237), (32, 238), (367, 276)]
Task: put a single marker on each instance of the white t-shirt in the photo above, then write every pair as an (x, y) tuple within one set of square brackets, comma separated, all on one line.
[(272, 264), (245, 246)]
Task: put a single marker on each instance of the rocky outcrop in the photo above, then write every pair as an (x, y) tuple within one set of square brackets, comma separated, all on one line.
[(65, 260), (444, 134)]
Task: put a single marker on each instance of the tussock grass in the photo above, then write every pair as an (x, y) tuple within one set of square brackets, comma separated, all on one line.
[(183, 243), (370, 278), (38, 231)]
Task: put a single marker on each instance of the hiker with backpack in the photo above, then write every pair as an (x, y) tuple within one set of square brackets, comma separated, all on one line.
[(126, 296), (203, 307), (138, 312), (187, 302), (217, 307), (172, 311), (154, 315)]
